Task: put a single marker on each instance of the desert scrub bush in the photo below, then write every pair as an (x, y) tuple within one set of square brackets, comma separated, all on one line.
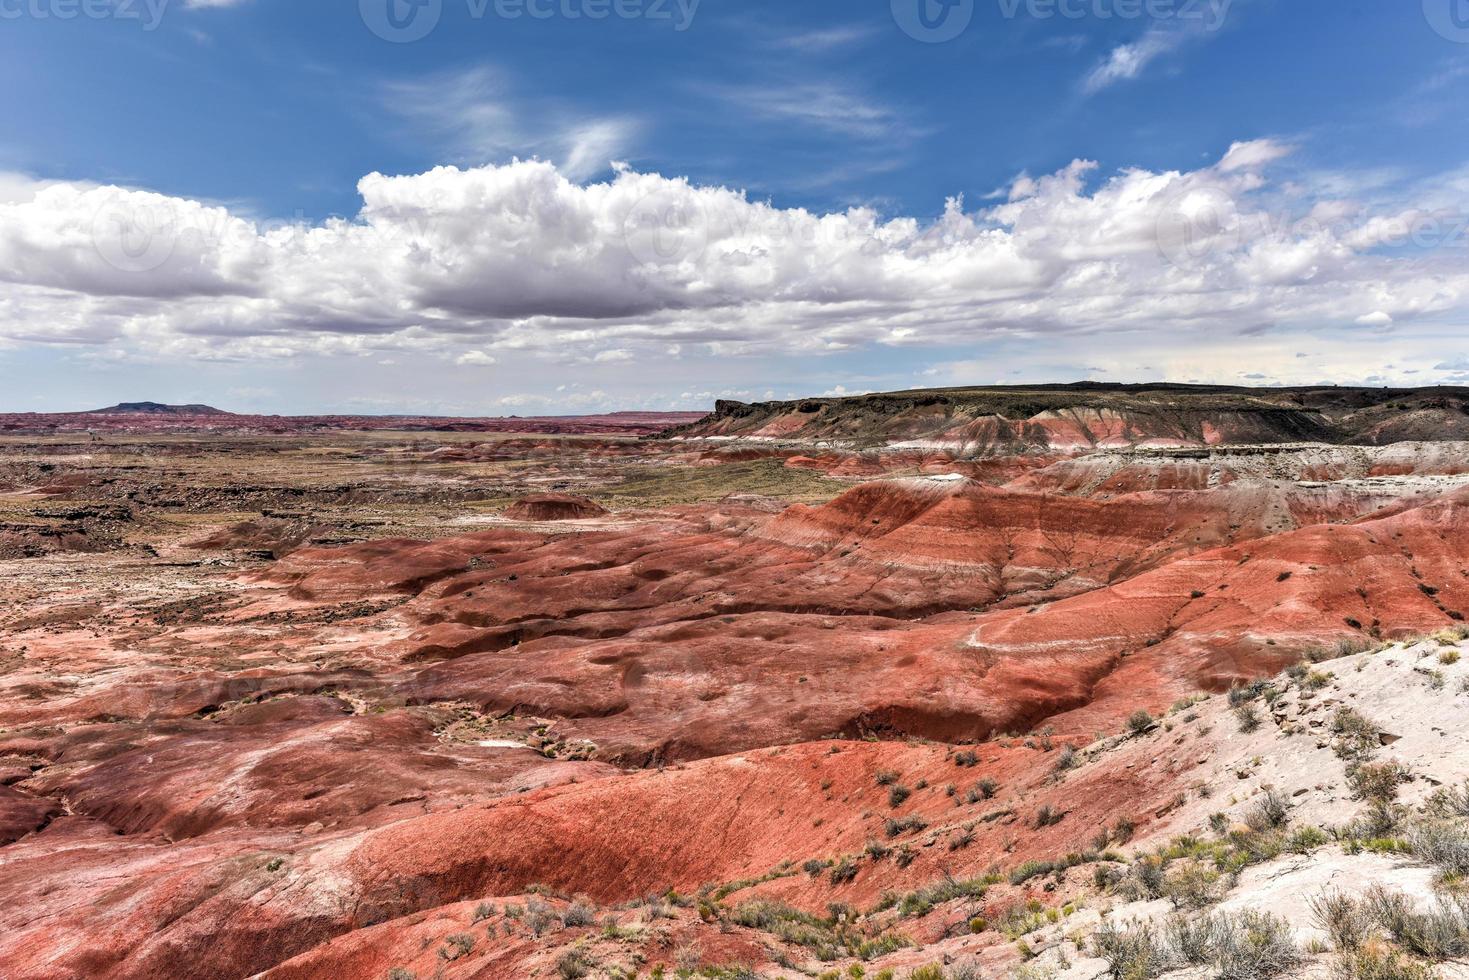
[(1248, 718), (967, 759), (930, 972), (961, 840), (537, 916), (1440, 933), (578, 914), (1190, 937), (1241, 694), (457, 945), (1252, 847), (896, 826), (777, 918), (483, 911), (1307, 839), (1252, 946), (985, 789), (1351, 646), (573, 965), (1068, 759), (885, 777), (1029, 870), (921, 902), (1270, 811), (1448, 657), (1357, 736), (898, 795), (1450, 801), (876, 850), (1047, 816), (1193, 885), (845, 871), (1145, 879), (1132, 954), (399, 973), (1443, 844), (1378, 782), (1342, 918), (1377, 961), (1139, 722), (1240, 946)]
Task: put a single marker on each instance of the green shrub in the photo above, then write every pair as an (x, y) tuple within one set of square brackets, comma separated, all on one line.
[(1271, 810), (1342, 918), (902, 825), (1046, 816), (1252, 946), (1193, 885), (1443, 845), (1441, 933), (573, 965), (1378, 781), (1132, 954), (1140, 721), (1357, 736), (457, 945), (578, 914)]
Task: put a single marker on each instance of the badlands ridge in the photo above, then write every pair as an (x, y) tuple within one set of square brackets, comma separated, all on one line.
[(1053, 682)]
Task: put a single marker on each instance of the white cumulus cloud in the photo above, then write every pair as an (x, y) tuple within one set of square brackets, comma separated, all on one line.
[(521, 257)]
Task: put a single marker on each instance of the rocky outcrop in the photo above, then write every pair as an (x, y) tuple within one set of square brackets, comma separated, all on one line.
[(554, 507), (987, 421)]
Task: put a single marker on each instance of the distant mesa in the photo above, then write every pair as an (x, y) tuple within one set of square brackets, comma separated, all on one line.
[(156, 408), (554, 507)]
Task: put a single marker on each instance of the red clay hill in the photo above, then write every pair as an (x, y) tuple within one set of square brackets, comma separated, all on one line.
[(720, 732)]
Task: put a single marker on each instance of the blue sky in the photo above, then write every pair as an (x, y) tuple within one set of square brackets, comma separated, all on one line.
[(260, 117)]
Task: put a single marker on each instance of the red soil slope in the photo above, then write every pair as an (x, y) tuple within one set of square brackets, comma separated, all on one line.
[(316, 768)]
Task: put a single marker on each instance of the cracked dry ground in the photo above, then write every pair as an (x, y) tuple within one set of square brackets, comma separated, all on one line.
[(306, 704)]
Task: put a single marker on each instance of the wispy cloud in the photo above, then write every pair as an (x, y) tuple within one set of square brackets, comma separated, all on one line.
[(833, 108), (476, 115), (827, 39), (1128, 61)]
